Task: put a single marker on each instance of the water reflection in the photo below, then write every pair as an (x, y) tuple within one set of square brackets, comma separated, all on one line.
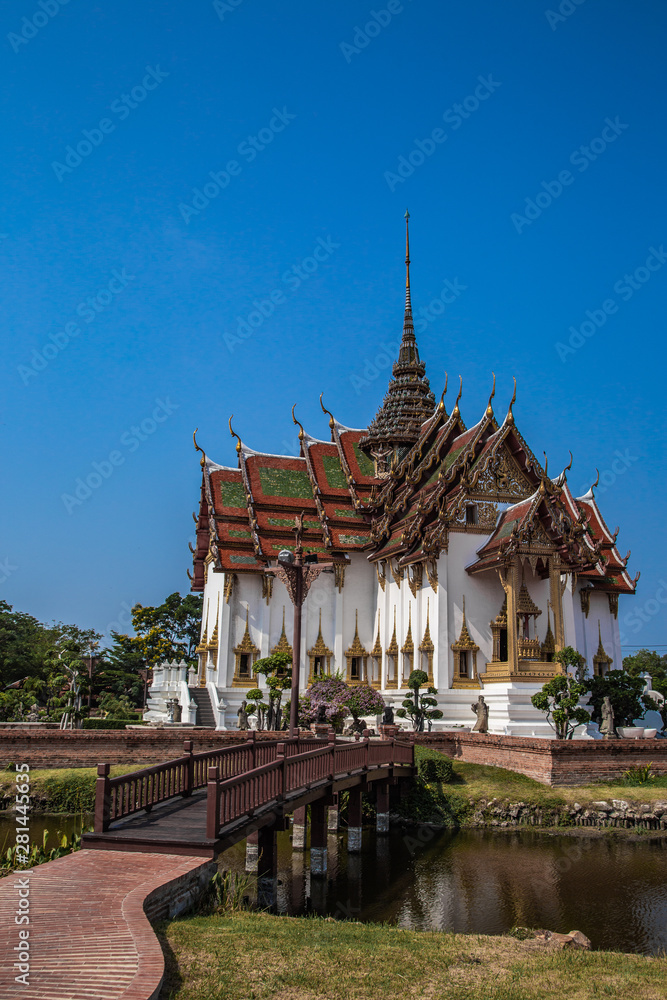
[(484, 882)]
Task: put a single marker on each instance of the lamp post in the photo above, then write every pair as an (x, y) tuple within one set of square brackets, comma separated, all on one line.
[(297, 574)]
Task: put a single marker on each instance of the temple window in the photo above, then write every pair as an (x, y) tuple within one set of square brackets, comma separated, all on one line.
[(465, 657), (471, 513), (408, 651), (245, 654), (320, 657), (356, 657)]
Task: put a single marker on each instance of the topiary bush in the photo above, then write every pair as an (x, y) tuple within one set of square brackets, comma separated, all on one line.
[(433, 766)]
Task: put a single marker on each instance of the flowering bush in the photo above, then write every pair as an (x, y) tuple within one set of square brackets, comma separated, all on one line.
[(364, 700), (333, 693)]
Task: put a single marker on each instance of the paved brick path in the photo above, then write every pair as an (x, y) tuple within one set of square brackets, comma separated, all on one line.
[(90, 938)]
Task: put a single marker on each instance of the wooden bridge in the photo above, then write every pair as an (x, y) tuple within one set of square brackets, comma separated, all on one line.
[(203, 803)]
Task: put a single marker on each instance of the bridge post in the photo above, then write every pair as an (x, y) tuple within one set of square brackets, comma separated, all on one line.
[(251, 737), (212, 803), (299, 829), (267, 866), (332, 818), (318, 840), (382, 808), (252, 851), (354, 821), (189, 776), (102, 799)]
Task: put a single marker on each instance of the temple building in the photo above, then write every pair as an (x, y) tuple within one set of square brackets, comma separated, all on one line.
[(451, 549)]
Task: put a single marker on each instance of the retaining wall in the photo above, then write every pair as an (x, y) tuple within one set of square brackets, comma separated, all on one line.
[(81, 748), (552, 762)]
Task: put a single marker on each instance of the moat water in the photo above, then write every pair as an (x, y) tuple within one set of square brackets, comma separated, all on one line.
[(483, 882), (472, 882)]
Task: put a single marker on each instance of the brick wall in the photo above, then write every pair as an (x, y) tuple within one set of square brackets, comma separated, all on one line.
[(552, 762), (179, 895), (78, 748)]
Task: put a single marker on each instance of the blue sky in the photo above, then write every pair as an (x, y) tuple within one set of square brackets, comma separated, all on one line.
[(170, 171)]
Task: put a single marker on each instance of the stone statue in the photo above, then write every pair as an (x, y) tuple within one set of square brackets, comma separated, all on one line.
[(170, 705), (481, 710), (607, 728), (33, 714), (243, 715), (321, 717), (388, 716)]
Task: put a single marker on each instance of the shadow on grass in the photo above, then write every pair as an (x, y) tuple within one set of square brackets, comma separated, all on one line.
[(173, 981)]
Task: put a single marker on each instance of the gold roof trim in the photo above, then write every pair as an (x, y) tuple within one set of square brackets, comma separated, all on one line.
[(464, 640), (282, 646), (213, 641), (526, 605), (377, 648), (426, 645), (356, 649), (320, 648), (392, 648), (409, 644), (601, 653), (246, 644)]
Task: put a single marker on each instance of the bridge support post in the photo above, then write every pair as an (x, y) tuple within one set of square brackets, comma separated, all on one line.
[(354, 821), (318, 840), (382, 808), (267, 866), (332, 819), (102, 799), (252, 851), (299, 829)]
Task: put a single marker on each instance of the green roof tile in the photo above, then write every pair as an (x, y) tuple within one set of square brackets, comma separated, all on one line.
[(233, 495), (334, 472), (366, 465), (285, 483)]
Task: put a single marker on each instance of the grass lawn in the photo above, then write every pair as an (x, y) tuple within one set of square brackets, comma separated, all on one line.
[(61, 789), (253, 956), (480, 781)]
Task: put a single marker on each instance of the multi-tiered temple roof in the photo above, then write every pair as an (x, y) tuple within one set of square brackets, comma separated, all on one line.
[(397, 490)]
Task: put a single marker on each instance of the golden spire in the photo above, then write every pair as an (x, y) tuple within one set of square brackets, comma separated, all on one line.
[(213, 641), (302, 433), (441, 404), (510, 415), (377, 647), (408, 300), (427, 642), (409, 645), (456, 411), (332, 419), (392, 648), (201, 648), (282, 646), (465, 634)]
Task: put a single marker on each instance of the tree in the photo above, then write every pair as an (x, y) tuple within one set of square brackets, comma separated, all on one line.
[(571, 659), (169, 631), (559, 699), (363, 700), (646, 661), (256, 697), (420, 707), (625, 694), (24, 644), (330, 692), (278, 679), (119, 671)]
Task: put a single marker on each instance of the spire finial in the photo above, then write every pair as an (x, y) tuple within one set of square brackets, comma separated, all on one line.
[(408, 302), (441, 404), (456, 411), (299, 425), (489, 408), (332, 419)]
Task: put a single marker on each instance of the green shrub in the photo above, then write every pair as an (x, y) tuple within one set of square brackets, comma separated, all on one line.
[(432, 765), (638, 775), (71, 793)]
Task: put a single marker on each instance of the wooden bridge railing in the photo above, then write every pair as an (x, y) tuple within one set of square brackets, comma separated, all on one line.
[(126, 794), (235, 797)]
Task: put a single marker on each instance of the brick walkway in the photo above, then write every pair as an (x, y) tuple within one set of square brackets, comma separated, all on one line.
[(90, 938)]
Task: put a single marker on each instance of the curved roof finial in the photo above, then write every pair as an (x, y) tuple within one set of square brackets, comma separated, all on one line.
[(489, 408), (597, 480), (202, 460), (441, 404), (456, 411), (510, 414), (546, 464), (568, 467), (332, 419), (302, 433), (235, 435)]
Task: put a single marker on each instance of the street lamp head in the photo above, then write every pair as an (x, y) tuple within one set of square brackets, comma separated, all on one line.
[(285, 556)]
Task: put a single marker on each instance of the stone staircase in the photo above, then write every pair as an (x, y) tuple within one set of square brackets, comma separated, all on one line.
[(205, 716)]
